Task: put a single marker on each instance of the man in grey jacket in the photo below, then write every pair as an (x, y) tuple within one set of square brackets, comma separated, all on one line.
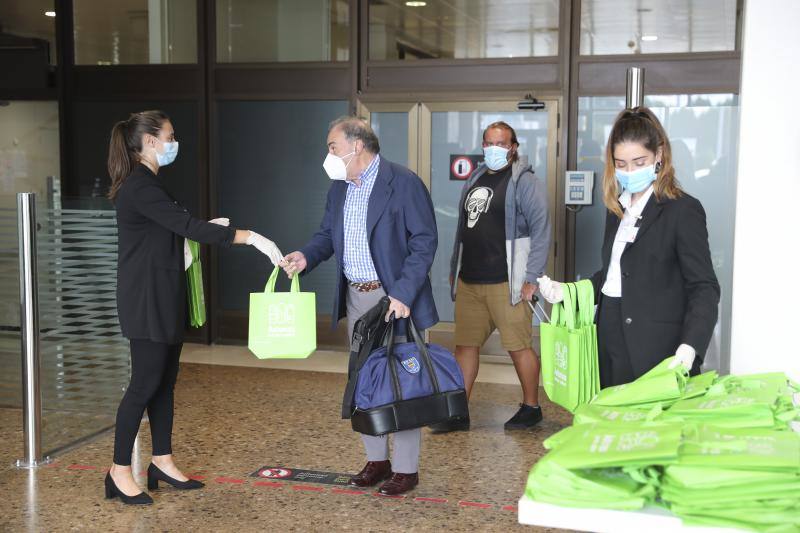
[(501, 246)]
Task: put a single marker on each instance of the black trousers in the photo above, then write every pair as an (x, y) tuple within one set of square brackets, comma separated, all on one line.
[(612, 352), (154, 370)]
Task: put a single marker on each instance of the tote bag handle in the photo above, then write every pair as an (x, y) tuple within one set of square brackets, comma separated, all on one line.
[(273, 278), (563, 313), (585, 302)]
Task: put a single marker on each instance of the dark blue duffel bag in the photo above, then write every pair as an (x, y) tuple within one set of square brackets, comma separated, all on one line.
[(406, 386)]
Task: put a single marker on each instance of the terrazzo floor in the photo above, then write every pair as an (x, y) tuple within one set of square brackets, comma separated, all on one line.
[(230, 421)]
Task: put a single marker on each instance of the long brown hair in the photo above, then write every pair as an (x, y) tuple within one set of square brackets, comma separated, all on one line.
[(125, 146), (639, 125)]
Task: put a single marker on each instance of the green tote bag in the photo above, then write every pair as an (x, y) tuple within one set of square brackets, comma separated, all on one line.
[(194, 281), (283, 325), (561, 351), (590, 372)]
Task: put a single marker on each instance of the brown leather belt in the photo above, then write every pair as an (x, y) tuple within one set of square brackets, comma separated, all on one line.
[(366, 286)]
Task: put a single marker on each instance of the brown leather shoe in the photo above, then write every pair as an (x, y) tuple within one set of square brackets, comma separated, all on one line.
[(399, 483), (373, 473)]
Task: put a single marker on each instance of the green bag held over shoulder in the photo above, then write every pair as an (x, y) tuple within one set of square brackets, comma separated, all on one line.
[(194, 283), (283, 325)]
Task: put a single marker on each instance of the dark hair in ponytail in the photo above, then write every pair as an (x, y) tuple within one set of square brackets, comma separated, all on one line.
[(126, 144)]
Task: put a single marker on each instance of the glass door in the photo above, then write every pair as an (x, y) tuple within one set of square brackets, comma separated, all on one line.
[(441, 141), (397, 128)]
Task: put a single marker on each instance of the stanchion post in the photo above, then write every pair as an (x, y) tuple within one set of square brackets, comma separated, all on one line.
[(29, 333)]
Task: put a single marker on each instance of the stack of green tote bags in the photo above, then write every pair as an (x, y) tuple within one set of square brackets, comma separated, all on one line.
[(569, 348), (715, 451)]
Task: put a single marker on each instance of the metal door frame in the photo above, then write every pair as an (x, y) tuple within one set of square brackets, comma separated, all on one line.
[(419, 157), (365, 110)]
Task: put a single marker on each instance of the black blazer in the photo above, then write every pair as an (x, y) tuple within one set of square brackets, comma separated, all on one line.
[(669, 290), (151, 282)]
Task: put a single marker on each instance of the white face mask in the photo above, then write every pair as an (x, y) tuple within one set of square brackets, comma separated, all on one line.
[(335, 167)]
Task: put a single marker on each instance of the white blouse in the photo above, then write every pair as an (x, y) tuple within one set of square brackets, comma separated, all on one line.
[(625, 234)]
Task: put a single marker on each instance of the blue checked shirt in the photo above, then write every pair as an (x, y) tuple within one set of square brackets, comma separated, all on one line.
[(358, 265)]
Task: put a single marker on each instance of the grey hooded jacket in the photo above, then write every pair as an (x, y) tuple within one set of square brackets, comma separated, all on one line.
[(527, 228)]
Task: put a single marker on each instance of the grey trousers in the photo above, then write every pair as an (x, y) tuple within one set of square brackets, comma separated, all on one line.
[(405, 455)]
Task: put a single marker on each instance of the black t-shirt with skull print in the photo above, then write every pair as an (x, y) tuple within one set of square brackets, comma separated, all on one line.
[(483, 259)]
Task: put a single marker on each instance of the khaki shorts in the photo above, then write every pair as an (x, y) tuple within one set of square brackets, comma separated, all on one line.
[(480, 309)]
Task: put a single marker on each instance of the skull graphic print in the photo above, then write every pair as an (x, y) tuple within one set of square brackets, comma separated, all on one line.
[(477, 203)]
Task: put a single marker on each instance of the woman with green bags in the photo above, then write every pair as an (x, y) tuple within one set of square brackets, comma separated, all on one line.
[(657, 292), (151, 292)]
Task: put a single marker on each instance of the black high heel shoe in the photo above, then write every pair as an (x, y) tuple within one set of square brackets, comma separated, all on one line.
[(154, 475), (112, 491)]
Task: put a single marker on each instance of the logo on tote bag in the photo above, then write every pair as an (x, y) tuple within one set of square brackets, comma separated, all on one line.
[(411, 365), (281, 320), (561, 355), (559, 373)]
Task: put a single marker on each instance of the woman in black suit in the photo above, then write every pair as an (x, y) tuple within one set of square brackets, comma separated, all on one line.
[(657, 291), (151, 292)]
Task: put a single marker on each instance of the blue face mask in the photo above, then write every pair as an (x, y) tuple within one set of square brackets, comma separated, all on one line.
[(637, 180), (496, 157), (169, 155)]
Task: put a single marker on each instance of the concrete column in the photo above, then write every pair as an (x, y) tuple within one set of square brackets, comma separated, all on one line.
[(766, 267)]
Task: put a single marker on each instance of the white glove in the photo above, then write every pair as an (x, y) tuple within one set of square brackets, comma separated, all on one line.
[(684, 355), (265, 246), (221, 222), (187, 255), (552, 291)]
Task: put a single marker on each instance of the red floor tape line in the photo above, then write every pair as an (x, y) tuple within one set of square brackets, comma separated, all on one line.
[(309, 488), (229, 480), (475, 504), (348, 491), (432, 500), (82, 467)]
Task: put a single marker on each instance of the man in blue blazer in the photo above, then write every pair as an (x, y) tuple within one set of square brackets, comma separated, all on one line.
[(380, 225)]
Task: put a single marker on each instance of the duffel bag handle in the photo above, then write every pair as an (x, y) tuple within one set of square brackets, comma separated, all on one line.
[(423, 353)]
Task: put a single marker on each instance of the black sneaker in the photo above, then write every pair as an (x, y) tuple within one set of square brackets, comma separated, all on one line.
[(455, 424), (527, 417)]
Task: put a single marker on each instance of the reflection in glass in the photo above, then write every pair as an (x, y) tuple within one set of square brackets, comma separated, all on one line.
[(29, 148), (460, 132), (392, 131), (29, 153), (465, 29), (29, 26), (83, 356), (703, 131), (250, 31), (657, 26), (272, 181), (91, 131), (135, 32)]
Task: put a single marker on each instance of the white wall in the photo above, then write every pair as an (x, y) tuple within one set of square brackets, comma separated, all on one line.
[(766, 268)]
